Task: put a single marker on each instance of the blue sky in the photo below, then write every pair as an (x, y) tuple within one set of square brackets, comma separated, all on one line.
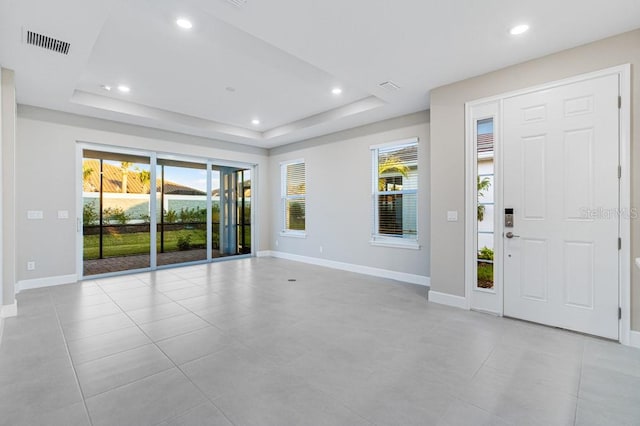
[(485, 126)]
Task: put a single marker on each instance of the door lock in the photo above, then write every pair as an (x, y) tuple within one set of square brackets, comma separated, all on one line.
[(511, 235), (508, 218)]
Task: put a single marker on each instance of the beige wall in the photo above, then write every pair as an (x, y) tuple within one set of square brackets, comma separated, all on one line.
[(339, 207), (47, 177), (7, 206), (447, 146)]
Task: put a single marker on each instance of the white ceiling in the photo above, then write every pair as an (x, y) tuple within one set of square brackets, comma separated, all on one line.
[(281, 57)]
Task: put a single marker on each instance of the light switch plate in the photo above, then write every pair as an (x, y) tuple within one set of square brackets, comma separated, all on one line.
[(35, 214), (452, 216), (63, 214)]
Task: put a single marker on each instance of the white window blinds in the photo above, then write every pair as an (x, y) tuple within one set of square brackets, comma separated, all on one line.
[(395, 191), (294, 189)]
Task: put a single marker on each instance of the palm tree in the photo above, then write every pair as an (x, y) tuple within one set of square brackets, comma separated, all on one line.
[(483, 185), (86, 174), (86, 171), (390, 164), (145, 179), (124, 166)]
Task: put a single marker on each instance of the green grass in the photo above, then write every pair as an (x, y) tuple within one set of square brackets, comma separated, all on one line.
[(485, 275), (116, 245)]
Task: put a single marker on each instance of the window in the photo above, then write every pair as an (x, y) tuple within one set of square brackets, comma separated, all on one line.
[(294, 190), (485, 237), (395, 194)]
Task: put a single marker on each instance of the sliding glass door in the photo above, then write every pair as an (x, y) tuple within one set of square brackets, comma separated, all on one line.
[(231, 211), (200, 211), (115, 212), (182, 212)]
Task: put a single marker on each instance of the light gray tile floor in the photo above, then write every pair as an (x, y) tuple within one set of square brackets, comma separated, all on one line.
[(236, 343)]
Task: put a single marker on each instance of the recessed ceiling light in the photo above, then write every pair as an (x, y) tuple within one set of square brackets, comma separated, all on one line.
[(255, 121), (106, 87), (184, 23), (519, 29), (336, 91), (124, 89)]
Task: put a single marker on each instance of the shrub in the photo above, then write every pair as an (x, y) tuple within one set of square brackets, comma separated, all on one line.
[(215, 213), (485, 253), (90, 214), (297, 216), (193, 215), (115, 214), (170, 216), (184, 242)]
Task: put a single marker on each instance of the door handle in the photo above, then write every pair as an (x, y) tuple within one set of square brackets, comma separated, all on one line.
[(511, 235)]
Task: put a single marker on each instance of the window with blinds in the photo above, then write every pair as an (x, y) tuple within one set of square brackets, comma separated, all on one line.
[(395, 192), (294, 190)]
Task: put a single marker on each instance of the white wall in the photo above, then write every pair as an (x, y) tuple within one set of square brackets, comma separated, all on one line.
[(7, 207), (339, 206), (47, 179)]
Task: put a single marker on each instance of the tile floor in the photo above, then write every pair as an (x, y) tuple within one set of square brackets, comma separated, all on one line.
[(236, 343)]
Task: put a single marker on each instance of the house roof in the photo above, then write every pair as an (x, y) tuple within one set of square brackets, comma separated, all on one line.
[(485, 143), (113, 182)]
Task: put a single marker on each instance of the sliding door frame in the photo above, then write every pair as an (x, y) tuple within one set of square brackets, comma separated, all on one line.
[(154, 156)]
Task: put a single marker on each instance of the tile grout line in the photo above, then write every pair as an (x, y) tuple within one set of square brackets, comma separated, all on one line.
[(73, 367), (175, 365)]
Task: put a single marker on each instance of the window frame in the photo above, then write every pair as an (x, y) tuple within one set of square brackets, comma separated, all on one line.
[(387, 240), (286, 232)]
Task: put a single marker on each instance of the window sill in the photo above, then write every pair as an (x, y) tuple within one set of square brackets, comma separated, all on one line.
[(410, 245), (293, 234)]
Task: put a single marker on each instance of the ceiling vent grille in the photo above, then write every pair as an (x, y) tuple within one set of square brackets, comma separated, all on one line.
[(389, 85), (237, 3), (47, 42)]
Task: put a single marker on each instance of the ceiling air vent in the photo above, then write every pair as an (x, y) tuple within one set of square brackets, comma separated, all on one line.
[(389, 85), (237, 3), (47, 42)]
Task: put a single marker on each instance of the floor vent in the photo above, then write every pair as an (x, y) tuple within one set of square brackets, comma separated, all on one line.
[(47, 42), (389, 85)]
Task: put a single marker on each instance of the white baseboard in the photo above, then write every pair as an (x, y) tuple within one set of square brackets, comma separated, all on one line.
[(634, 339), (8, 311), (264, 253), (448, 299), (45, 282), (359, 269)]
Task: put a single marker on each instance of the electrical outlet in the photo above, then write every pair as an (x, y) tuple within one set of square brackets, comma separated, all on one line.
[(321, 249), (276, 243), (31, 265)]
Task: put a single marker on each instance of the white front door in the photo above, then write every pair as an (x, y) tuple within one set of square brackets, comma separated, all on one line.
[(561, 157)]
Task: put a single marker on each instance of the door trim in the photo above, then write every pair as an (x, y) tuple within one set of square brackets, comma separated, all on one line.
[(624, 256)]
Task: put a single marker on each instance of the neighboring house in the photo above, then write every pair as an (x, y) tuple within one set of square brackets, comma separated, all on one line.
[(135, 201), (398, 213), (486, 171), (113, 181)]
